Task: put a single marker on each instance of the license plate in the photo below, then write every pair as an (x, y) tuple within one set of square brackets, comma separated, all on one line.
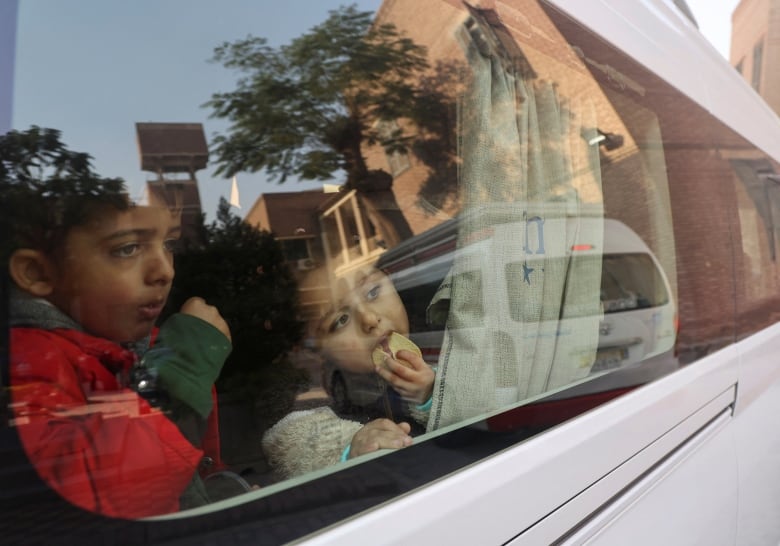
[(606, 359)]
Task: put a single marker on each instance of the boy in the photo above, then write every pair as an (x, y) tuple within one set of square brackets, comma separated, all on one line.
[(90, 275)]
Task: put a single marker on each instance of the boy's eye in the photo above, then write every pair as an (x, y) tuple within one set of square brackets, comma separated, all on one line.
[(339, 322), (172, 245), (373, 293), (126, 251)]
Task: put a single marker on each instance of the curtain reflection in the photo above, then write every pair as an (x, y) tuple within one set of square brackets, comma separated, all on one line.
[(525, 150)]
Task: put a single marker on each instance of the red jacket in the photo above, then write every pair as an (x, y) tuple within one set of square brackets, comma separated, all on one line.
[(100, 446)]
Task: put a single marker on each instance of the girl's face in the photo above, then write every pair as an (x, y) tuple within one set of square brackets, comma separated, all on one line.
[(362, 317)]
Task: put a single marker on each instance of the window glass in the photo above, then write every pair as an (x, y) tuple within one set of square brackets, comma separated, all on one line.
[(631, 281), (397, 160), (295, 249), (755, 189), (451, 218), (758, 59)]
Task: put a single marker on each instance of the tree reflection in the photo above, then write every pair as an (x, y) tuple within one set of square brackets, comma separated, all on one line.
[(311, 109), (242, 272)]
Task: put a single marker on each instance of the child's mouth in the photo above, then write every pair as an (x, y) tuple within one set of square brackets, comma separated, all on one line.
[(384, 344), (381, 349), (150, 311)]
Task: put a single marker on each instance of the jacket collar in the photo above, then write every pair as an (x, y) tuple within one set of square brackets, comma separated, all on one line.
[(29, 311)]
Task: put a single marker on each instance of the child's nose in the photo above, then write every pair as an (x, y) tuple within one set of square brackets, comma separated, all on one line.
[(368, 318), (160, 269)]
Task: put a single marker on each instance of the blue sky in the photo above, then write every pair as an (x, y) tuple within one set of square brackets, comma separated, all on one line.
[(93, 68)]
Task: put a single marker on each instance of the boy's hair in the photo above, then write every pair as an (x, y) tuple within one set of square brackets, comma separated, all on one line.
[(46, 190)]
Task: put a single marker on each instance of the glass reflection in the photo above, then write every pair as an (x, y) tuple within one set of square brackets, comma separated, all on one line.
[(494, 184), (112, 411)]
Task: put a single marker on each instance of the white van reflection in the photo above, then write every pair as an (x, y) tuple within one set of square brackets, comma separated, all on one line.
[(640, 318), (637, 328)]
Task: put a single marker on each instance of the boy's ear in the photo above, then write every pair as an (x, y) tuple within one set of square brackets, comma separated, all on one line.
[(31, 271)]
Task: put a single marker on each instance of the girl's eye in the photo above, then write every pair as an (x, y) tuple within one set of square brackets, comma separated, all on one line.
[(373, 293), (126, 251), (340, 321)]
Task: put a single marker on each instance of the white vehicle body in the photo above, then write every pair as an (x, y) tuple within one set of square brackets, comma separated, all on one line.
[(687, 459), (637, 316), (636, 319)]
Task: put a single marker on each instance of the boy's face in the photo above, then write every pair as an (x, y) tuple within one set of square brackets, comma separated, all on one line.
[(364, 314), (115, 272)]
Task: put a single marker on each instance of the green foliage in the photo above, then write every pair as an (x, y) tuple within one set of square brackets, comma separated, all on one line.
[(242, 272), (304, 109), (45, 189), (271, 390), (37, 156)]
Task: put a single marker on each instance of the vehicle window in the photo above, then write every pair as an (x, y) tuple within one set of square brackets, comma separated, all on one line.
[(631, 281), (758, 210), (417, 302), (448, 217)]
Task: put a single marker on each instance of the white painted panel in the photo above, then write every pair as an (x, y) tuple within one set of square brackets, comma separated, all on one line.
[(657, 36), (724, 488), (646, 468), (496, 500), (757, 436), (690, 499), (759, 365), (757, 432)]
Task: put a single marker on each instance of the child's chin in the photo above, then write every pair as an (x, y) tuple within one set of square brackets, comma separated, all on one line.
[(366, 366), (131, 336)]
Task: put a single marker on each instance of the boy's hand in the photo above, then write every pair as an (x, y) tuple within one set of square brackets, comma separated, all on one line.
[(413, 383), (197, 307), (380, 434)]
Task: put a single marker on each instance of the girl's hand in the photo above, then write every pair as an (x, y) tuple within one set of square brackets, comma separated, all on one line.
[(380, 434), (414, 381)]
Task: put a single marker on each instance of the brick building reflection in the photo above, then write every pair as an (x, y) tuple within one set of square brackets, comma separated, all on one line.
[(651, 159), (174, 152)]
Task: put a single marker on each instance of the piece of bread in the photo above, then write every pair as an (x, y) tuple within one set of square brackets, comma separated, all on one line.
[(394, 343)]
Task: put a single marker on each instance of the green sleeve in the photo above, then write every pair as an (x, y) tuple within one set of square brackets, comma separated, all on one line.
[(188, 355)]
